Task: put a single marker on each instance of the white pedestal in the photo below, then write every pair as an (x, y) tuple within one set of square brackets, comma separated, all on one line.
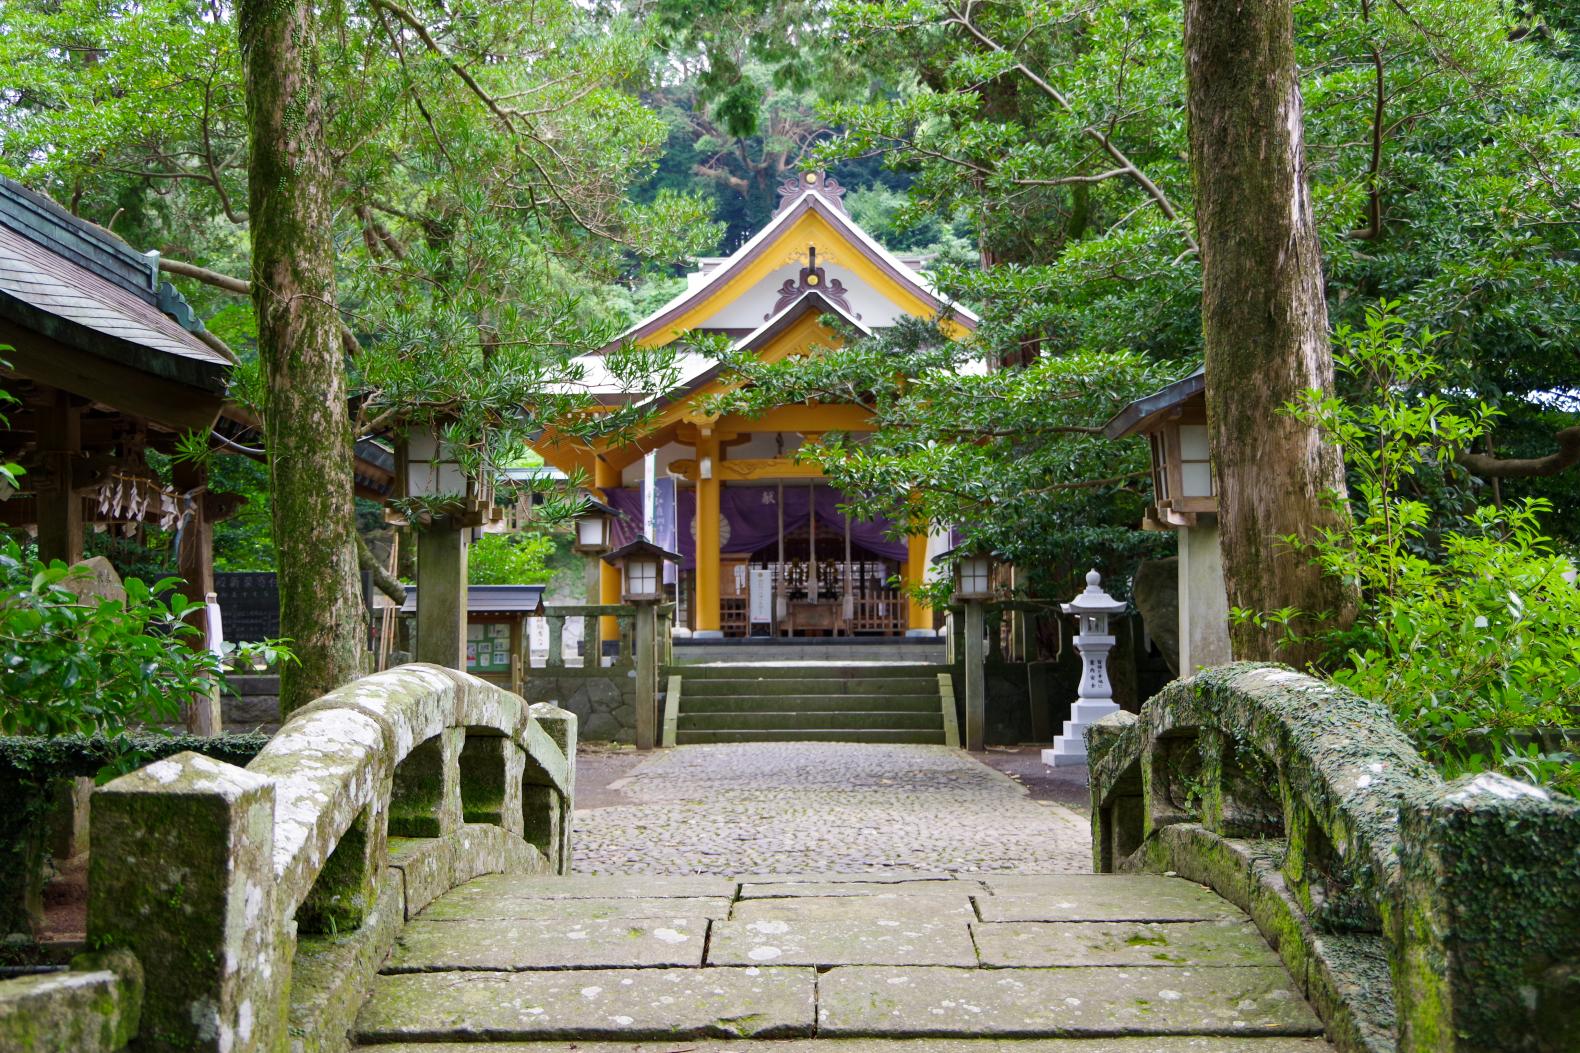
[(1069, 747)]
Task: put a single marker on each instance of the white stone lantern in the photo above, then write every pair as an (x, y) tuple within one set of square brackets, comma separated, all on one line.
[(1095, 698), (641, 565), (594, 528)]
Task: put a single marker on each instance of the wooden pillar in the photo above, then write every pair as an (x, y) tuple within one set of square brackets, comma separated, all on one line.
[(975, 678), (59, 507), (646, 644), (920, 620), (707, 618), (195, 564), (605, 477), (441, 594), (781, 586)]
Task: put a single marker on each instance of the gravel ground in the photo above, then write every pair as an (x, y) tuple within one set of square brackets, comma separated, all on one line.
[(790, 807)]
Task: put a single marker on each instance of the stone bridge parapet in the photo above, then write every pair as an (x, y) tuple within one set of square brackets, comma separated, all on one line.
[(1417, 915), (255, 903)]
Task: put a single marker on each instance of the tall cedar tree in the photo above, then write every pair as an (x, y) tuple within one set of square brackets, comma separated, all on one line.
[(1264, 316), (307, 423)]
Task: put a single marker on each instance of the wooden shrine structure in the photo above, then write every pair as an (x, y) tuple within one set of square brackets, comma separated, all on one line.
[(765, 548)]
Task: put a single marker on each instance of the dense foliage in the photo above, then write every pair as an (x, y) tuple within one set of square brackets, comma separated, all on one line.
[(1470, 628)]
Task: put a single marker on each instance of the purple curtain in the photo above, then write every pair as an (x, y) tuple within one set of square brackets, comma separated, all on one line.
[(751, 515)]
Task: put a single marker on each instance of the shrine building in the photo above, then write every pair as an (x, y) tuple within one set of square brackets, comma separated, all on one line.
[(764, 547)]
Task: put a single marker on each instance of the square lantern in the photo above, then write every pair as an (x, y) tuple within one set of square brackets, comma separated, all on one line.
[(427, 466), (1174, 421), (641, 566), (973, 572), (594, 528)]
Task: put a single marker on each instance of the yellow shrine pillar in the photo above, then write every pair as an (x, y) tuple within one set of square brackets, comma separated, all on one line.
[(920, 615), (707, 620), (605, 477)]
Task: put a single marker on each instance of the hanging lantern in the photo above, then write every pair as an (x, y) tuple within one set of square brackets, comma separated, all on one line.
[(594, 528)]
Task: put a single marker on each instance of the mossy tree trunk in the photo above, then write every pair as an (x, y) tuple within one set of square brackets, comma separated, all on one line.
[(307, 426), (1264, 316)]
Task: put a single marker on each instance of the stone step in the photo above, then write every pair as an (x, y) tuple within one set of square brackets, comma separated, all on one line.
[(836, 670), (906, 685), (809, 718), (917, 703), (872, 735), (1155, 1044)]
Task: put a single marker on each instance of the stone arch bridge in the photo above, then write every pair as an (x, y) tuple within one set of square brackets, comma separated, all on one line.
[(1277, 871)]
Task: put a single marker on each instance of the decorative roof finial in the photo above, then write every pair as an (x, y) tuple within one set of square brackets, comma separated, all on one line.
[(819, 183)]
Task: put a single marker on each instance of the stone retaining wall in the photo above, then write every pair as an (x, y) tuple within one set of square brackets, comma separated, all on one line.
[(603, 699)]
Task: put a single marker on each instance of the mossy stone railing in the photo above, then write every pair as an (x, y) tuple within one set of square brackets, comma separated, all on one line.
[(238, 889), (1416, 915)]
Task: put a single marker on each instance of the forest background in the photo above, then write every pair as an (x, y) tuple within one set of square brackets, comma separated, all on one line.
[(1037, 150)]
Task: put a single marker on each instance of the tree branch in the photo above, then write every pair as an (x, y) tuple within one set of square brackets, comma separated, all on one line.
[(963, 19), (1489, 467), (239, 286), (387, 583)]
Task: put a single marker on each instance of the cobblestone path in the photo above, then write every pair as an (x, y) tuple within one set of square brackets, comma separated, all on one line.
[(825, 807)]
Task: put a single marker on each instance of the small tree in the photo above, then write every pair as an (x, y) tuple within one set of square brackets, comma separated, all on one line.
[(1469, 625)]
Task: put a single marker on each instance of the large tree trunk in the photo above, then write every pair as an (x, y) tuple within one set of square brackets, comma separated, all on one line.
[(1264, 318), (307, 426)]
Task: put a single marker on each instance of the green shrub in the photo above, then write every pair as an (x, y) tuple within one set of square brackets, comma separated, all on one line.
[(1470, 624), (509, 559), (96, 667)]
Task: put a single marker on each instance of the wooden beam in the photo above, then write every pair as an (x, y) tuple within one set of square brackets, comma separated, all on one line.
[(749, 468), (813, 419), (176, 406)]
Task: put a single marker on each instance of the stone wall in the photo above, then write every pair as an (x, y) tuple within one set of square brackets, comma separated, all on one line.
[(603, 699)]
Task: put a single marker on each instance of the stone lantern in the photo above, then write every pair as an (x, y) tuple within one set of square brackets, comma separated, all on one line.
[(594, 528), (973, 572), (1174, 423), (973, 580), (1095, 699), (641, 566), (426, 467)]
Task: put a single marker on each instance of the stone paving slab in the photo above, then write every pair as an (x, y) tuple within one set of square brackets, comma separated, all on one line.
[(1203, 943), (881, 876), (777, 890), (824, 943), (1100, 897), (439, 946), (596, 886), (510, 905), (929, 1002), (880, 906), (1154, 1044), (593, 1004)]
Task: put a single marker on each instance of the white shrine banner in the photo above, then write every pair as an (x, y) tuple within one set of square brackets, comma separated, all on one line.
[(761, 599)]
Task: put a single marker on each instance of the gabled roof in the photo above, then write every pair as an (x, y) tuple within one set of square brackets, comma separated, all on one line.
[(81, 286), (85, 313), (813, 193), (1141, 414), (697, 370)]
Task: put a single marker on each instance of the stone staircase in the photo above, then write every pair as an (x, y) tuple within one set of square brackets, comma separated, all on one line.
[(809, 702)]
